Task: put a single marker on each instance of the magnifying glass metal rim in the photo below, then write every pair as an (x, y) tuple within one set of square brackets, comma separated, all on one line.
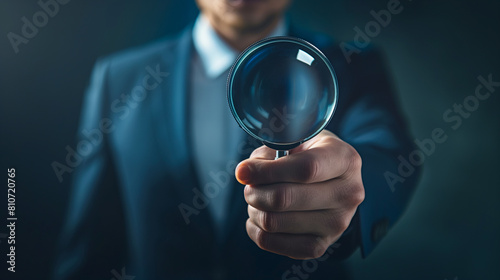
[(256, 46)]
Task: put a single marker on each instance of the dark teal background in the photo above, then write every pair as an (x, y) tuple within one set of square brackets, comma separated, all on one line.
[(436, 51)]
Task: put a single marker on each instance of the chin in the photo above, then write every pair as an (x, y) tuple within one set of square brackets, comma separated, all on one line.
[(249, 21)]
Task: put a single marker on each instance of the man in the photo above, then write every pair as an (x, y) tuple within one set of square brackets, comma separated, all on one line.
[(156, 197)]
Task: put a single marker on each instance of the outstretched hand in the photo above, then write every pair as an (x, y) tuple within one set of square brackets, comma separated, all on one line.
[(300, 204)]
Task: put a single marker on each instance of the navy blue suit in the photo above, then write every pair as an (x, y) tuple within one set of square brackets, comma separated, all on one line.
[(124, 209)]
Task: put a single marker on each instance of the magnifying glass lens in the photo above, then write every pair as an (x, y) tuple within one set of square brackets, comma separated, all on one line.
[(282, 91)]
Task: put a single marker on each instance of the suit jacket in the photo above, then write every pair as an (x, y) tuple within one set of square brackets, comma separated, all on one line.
[(137, 169)]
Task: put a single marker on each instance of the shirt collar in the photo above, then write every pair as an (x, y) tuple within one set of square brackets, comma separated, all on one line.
[(216, 55)]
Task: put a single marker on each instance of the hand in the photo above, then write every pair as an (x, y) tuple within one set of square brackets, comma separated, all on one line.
[(300, 204)]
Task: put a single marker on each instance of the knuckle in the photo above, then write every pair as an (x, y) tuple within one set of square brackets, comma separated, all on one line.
[(356, 194), (308, 170), (359, 195), (261, 239), (337, 222), (343, 224), (268, 221), (261, 152), (316, 249), (248, 194), (281, 199), (355, 160), (256, 152)]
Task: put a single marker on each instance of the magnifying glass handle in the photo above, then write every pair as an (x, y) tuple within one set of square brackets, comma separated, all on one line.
[(281, 154)]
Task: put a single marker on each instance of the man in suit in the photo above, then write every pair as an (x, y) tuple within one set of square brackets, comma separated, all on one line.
[(156, 197)]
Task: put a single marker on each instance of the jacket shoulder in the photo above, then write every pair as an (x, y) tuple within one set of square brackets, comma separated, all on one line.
[(137, 57), (345, 52)]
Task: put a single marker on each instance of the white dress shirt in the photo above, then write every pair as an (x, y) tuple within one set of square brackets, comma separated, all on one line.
[(215, 133)]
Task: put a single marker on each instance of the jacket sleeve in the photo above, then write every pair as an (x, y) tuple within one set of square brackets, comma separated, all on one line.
[(370, 121), (92, 243)]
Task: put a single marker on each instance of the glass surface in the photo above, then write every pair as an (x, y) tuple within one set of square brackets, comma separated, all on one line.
[(282, 91)]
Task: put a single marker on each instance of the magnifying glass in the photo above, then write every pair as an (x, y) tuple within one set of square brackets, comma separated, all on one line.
[(282, 91)]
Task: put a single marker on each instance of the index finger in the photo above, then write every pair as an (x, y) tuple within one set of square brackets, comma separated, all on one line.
[(324, 160)]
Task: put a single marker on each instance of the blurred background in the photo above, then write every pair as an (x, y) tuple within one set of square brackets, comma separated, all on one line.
[(435, 50)]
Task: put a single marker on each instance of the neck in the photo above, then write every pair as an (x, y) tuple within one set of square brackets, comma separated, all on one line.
[(239, 39)]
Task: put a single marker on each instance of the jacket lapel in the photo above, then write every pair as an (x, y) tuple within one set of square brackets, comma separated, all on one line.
[(173, 130)]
